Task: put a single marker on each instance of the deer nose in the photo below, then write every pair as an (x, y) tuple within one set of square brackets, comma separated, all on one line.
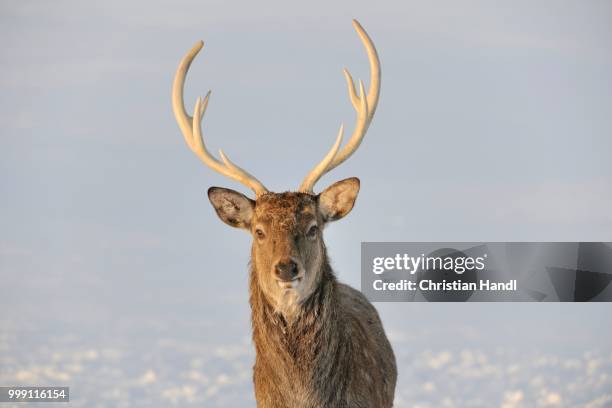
[(286, 269)]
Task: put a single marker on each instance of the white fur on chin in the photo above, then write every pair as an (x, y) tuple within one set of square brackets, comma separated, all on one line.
[(288, 300)]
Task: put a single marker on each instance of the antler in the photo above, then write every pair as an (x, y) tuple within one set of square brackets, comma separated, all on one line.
[(191, 128), (365, 105)]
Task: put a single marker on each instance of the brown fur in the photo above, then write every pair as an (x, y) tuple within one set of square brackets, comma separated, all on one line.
[(321, 344)]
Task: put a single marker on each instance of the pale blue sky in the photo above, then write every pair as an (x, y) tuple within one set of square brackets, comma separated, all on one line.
[(494, 123)]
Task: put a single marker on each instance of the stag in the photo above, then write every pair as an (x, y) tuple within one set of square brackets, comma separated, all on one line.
[(319, 342)]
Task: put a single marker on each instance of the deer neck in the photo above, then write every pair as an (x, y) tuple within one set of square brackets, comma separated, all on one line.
[(295, 339)]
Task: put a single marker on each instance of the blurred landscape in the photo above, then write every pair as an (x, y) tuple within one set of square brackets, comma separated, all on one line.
[(469, 361), (118, 280)]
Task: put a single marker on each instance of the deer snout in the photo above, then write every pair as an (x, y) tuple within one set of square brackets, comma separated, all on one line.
[(286, 269)]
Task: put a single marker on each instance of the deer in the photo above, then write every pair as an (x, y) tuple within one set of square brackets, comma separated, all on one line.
[(318, 342)]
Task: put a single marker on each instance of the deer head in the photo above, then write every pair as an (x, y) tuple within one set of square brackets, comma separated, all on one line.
[(288, 251)]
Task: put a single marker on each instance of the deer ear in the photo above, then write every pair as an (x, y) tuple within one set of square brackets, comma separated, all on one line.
[(234, 208), (338, 199)]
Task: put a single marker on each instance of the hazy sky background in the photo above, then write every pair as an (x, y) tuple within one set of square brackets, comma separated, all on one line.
[(494, 123)]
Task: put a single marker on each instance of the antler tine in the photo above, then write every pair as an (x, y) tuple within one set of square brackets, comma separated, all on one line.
[(364, 105), (183, 119), (227, 168), (316, 173), (191, 128)]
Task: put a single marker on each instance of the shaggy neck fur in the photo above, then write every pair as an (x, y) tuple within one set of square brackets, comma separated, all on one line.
[(299, 357)]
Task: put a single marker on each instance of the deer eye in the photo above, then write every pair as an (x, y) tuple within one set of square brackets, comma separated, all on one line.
[(312, 231), (260, 234)]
